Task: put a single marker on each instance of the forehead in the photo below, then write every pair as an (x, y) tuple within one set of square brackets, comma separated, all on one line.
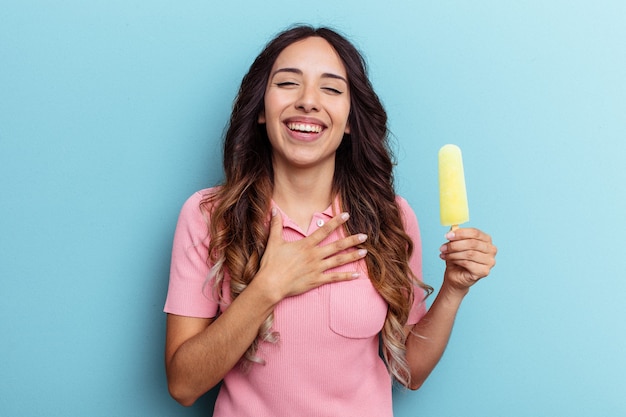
[(312, 54)]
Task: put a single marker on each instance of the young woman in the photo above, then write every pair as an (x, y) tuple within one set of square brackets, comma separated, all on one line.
[(288, 279)]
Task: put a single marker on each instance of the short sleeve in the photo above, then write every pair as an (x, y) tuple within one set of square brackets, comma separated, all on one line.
[(411, 227), (189, 293)]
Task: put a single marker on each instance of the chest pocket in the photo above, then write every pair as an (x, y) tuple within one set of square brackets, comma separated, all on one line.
[(357, 311)]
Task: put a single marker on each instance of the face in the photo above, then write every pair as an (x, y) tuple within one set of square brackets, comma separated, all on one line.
[(307, 102)]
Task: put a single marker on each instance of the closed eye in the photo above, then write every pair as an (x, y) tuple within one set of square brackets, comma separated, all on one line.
[(286, 84), (332, 90)]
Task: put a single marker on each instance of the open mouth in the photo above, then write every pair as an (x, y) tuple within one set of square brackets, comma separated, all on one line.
[(304, 127)]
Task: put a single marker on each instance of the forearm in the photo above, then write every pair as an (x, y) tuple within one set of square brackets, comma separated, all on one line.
[(199, 352), (428, 339), (201, 361)]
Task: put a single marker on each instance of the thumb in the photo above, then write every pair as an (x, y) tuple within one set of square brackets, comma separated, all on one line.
[(276, 225)]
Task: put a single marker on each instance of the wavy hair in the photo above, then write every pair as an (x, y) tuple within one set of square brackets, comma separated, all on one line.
[(363, 181)]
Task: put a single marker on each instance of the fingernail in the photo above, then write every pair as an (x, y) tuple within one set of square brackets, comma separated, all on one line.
[(345, 216), (356, 275), (274, 211), (362, 252), (362, 237), (450, 235), (443, 248)]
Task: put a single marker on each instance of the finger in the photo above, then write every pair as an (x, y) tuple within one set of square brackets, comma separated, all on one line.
[(340, 276), (325, 231), (276, 225), (472, 256), (468, 233), (476, 270), (343, 259), (342, 245), (467, 244), (472, 260)]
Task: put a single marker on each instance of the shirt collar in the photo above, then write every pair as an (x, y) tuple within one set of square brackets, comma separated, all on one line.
[(332, 210)]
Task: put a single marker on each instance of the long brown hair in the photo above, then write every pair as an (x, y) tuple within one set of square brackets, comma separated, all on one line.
[(363, 181)]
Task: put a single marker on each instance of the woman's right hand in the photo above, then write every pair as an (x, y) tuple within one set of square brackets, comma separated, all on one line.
[(199, 352), (292, 268)]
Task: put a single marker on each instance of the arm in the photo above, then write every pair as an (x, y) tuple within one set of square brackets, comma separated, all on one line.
[(199, 352), (469, 256)]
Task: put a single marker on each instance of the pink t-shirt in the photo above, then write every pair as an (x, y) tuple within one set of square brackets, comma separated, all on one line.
[(327, 361)]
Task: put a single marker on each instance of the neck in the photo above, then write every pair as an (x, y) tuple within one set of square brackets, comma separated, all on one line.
[(301, 194)]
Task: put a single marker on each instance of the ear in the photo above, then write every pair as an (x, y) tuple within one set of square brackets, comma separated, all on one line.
[(261, 118), (347, 130)]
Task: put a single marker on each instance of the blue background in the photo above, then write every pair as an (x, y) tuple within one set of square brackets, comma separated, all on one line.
[(111, 114)]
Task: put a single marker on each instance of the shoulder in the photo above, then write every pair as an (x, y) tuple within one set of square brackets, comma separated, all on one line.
[(201, 195), (404, 206), (194, 216), (192, 206)]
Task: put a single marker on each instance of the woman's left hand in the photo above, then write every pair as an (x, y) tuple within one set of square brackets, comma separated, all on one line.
[(469, 256)]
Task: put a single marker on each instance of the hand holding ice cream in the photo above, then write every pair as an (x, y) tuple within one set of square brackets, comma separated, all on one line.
[(470, 253)]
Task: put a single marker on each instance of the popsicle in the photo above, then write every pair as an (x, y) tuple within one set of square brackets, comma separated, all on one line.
[(453, 206)]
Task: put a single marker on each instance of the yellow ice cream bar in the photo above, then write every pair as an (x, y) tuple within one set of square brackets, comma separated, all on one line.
[(453, 205)]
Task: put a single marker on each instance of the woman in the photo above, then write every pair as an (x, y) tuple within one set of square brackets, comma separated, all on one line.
[(286, 277)]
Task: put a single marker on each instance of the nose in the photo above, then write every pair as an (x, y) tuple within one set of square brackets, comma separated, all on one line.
[(308, 101)]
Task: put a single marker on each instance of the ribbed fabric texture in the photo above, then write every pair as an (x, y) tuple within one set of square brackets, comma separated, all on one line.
[(326, 362)]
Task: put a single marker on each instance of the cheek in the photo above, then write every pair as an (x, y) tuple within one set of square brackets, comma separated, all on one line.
[(343, 113), (272, 110), (268, 105)]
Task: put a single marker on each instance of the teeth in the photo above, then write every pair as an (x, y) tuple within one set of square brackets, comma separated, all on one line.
[(305, 127)]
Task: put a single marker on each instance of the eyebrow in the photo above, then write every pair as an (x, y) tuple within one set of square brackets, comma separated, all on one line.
[(299, 72)]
